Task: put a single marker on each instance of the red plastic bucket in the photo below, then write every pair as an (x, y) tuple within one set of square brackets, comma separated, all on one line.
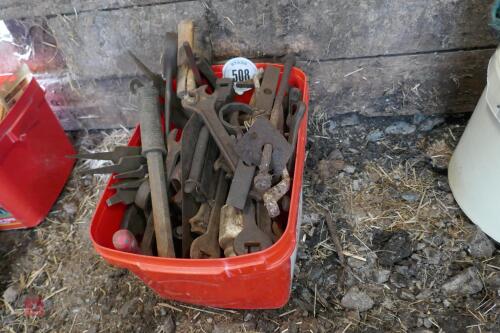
[(259, 280), (33, 163)]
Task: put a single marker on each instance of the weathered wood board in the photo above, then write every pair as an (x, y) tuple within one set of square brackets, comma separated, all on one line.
[(416, 56), (403, 85)]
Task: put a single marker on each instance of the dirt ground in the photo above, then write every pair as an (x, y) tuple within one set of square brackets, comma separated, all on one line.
[(410, 260)]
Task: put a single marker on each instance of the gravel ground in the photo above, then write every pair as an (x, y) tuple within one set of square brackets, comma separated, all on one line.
[(405, 258)]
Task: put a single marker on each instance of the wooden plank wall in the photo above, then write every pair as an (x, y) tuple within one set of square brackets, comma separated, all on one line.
[(376, 58)]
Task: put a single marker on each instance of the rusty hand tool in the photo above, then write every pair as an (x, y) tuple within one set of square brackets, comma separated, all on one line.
[(125, 197), (185, 77), (169, 60), (262, 133), (198, 161), (148, 238), (156, 78), (173, 153), (199, 222), (234, 110), (264, 95), (175, 180), (231, 224), (140, 172), (142, 197), (251, 238), (207, 245), (241, 184), (275, 193), (263, 179), (206, 70), (192, 63), (124, 240), (133, 220), (115, 155), (203, 104), (189, 205), (294, 97), (128, 184), (225, 92), (293, 132), (264, 221), (124, 164), (153, 148)]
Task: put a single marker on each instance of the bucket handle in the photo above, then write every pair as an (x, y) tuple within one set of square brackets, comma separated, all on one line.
[(17, 132)]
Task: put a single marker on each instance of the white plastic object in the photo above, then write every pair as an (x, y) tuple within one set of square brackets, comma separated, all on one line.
[(474, 170)]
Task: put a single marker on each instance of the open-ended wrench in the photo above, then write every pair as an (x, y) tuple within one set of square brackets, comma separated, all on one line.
[(251, 238), (207, 245), (204, 105)]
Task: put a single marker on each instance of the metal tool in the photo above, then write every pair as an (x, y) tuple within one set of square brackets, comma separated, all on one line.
[(189, 205), (128, 184), (251, 238), (206, 70), (133, 220), (148, 239), (173, 153), (125, 197), (275, 193), (143, 196), (263, 179), (249, 147), (264, 95), (294, 131), (205, 189), (124, 164), (169, 62), (192, 63), (264, 221), (153, 148), (294, 97), (140, 172), (204, 105), (115, 155), (199, 222), (157, 80), (185, 79), (198, 161), (231, 224), (241, 184), (233, 109), (207, 245), (225, 92)]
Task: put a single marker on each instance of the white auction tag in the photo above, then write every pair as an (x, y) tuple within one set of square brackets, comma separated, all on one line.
[(239, 69)]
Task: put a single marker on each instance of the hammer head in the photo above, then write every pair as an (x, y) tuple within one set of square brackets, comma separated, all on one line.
[(124, 240)]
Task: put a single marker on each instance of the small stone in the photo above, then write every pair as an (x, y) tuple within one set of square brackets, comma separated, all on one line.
[(336, 155), (433, 256), (493, 281), (420, 322), (249, 316), (480, 246), (381, 276), (424, 294), (418, 118), (350, 169), (400, 128), (355, 299), (446, 303), (338, 164), (356, 185), (393, 247), (375, 136), (467, 282), (429, 124), (168, 325), (410, 196), (427, 323), (353, 314), (70, 208), (351, 120), (11, 294), (406, 295)]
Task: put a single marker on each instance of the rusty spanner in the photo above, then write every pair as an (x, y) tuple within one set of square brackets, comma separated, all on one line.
[(173, 153), (127, 163), (204, 104), (207, 245), (115, 155), (251, 238)]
